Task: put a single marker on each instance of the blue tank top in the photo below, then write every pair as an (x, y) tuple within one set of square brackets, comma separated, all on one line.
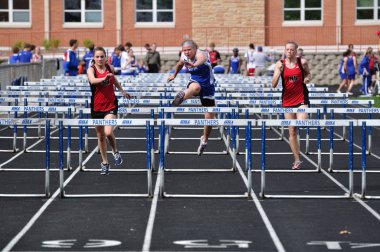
[(350, 66), (234, 65), (202, 74)]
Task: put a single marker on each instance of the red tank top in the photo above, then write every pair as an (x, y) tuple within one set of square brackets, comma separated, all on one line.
[(294, 91), (213, 56), (103, 98)]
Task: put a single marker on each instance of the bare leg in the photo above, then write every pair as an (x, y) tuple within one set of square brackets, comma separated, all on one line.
[(294, 146), (193, 90), (102, 143), (108, 131), (350, 85), (342, 84), (207, 129)]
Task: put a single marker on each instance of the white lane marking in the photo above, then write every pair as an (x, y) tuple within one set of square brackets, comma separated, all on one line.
[(38, 214), (152, 216), (264, 216), (369, 209)]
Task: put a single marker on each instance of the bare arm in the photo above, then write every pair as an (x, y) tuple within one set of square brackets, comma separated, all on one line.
[(306, 69), (277, 73), (92, 79), (229, 65), (178, 67), (355, 64)]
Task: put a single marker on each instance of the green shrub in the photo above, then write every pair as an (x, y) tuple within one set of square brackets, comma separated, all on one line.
[(87, 42)]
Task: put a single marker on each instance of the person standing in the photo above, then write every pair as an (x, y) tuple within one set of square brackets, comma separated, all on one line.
[(71, 62), (153, 59), (15, 57), (365, 71), (88, 56), (350, 67), (37, 56), (295, 74), (26, 55), (214, 55), (234, 63), (343, 72), (249, 59), (104, 105), (201, 83), (260, 60)]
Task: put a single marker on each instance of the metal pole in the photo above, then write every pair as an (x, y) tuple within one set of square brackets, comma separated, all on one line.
[(47, 158), (162, 158), (262, 193), (61, 175), (351, 159), (364, 161), (331, 143)]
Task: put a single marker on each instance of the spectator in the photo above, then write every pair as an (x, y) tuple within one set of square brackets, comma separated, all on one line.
[(37, 56), (115, 58), (214, 55), (26, 55), (153, 59), (373, 61), (260, 59), (70, 64), (343, 72), (88, 56), (249, 59), (234, 63), (365, 71), (300, 53), (15, 57)]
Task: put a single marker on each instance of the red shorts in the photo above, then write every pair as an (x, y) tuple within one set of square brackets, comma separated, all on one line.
[(251, 72)]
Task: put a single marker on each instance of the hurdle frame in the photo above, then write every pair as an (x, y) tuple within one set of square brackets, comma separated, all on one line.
[(203, 122), (264, 123), (94, 122), (33, 121)]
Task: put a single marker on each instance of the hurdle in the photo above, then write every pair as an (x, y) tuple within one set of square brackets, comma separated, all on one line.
[(318, 123), (33, 121), (131, 111), (112, 122), (364, 124), (205, 122), (171, 111)]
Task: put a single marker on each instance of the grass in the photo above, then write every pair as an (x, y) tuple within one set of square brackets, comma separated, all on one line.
[(375, 98)]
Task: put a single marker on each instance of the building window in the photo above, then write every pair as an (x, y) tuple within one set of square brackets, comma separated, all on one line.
[(154, 11), (302, 10), (83, 12), (368, 10), (15, 12)]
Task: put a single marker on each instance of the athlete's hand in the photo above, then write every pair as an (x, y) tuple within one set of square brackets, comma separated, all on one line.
[(171, 77), (125, 94)]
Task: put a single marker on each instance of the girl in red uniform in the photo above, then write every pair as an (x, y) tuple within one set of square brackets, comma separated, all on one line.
[(295, 75), (104, 104)]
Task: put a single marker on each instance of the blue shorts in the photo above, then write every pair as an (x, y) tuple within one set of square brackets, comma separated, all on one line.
[(207, 93), (351, 76), (343, 76)]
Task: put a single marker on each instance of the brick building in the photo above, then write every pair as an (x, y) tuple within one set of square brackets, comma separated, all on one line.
[(168, 22)]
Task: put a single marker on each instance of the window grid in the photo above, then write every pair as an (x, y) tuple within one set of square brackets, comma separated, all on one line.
[(303, 10), (83, 12), (154, 12), (375, 8), (11, 11)]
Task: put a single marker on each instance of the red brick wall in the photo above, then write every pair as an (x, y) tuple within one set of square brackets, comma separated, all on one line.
[(162, 36)]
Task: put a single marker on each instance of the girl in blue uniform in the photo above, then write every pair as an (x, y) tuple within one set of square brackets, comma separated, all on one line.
[(364, 71), (234, 63), (351, 69), (201, 83), (342, 72)]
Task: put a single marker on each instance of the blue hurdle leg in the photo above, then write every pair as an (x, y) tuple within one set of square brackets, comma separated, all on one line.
[(47, 158), (262, 193), (61, 175), (351, 159), (364, 160), (161, 170)]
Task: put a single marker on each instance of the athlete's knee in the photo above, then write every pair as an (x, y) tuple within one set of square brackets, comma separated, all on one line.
[(292, 131)]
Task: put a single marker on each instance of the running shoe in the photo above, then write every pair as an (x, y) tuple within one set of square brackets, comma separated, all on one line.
[(104, 169), (349, 93), (202, 146), (178, 99), (296, 165), (339, 92), (118, 159)]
